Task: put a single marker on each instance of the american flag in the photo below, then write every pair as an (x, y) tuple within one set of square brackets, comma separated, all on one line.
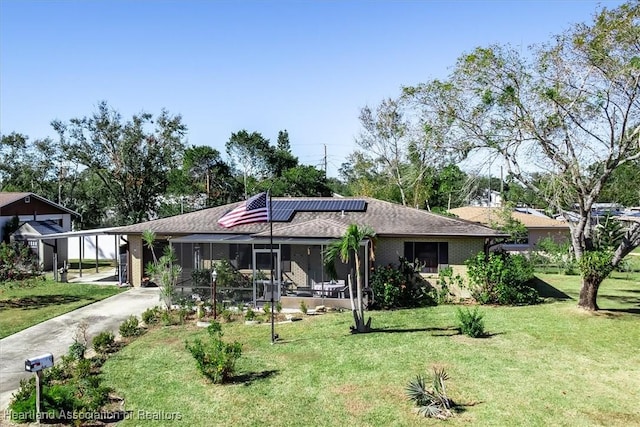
[(255, 209)]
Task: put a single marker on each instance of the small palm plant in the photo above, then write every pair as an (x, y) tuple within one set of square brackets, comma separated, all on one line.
[(432, 402), (164, 270), (471, 323)]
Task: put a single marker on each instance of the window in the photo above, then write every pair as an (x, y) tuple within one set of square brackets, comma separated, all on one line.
[(428, 254)]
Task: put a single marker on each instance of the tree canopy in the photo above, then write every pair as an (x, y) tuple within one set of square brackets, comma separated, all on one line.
[(559, 108)]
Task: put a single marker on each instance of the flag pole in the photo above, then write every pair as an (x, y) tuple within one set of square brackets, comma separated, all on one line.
[(273, 308)]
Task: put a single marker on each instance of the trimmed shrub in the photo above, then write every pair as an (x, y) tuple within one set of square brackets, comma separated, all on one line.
[(71, 387), (103, 342), (17, 262), (400, 286), (500, 278), (249, 314), (215, 358), (130, 327), (151, 315), (77, 350)]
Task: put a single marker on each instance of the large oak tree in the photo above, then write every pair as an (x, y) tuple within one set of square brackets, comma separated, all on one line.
[(559, 108), (132, 158)]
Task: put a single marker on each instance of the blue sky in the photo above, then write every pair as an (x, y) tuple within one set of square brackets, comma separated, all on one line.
[(307, 67)]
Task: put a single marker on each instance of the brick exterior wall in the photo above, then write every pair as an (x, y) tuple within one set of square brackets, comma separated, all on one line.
[(388, 250)]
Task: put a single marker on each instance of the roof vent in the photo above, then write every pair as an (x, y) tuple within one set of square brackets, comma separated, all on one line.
[(27, 199)]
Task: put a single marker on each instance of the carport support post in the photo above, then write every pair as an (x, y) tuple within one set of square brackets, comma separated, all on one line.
[(55, 267)]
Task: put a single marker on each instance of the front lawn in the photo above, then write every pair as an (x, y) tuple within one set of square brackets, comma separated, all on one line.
[(22, 306), (550, 364)]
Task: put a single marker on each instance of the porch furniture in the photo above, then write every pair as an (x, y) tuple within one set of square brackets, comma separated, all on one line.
[(330, 289)]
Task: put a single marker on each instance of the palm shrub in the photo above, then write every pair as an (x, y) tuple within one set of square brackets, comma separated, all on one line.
[(471, 323), (215, 358), (431, 402)]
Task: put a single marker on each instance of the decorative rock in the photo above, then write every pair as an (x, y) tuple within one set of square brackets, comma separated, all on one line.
[(320, 309)]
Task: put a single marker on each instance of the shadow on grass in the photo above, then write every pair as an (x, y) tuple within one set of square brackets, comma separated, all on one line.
[(451, 329), (633, 301), (545, 290), (461, 407), (489, 335), (622, 310), (41, 301), (622, 299), (250, 377)]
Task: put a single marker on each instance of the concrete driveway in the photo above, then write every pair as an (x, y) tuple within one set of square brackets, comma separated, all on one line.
[(56, 335)]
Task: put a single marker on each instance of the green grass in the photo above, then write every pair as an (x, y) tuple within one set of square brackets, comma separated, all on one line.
[(550, 364), (26, 305)]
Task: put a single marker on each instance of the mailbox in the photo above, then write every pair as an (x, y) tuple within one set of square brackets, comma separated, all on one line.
[(38, 363)]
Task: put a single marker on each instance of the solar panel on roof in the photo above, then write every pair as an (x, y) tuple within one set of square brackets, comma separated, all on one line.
[(283, 210)]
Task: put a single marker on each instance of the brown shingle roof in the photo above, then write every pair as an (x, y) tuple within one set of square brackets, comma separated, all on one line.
[(487, 216), (8, 197), (386, 219)]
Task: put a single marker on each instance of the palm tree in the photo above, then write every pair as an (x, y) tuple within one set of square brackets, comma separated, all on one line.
[(163, 270), (343, 249)]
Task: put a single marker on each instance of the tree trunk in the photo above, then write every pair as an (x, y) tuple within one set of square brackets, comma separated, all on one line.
[(589, 293), (353, 304), (360, 324)]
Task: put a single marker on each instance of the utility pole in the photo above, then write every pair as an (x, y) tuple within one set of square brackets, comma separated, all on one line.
[(325, 161)]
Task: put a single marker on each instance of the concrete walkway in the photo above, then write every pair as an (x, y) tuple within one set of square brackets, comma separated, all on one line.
[(56, 335)]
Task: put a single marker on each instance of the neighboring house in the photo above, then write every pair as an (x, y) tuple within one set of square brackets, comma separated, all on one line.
[(488, 198), (302, 228), (539, 226), (37, 217), (630, 215)]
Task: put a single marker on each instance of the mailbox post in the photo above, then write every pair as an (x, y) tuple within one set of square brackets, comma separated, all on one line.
[(36, 365)]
